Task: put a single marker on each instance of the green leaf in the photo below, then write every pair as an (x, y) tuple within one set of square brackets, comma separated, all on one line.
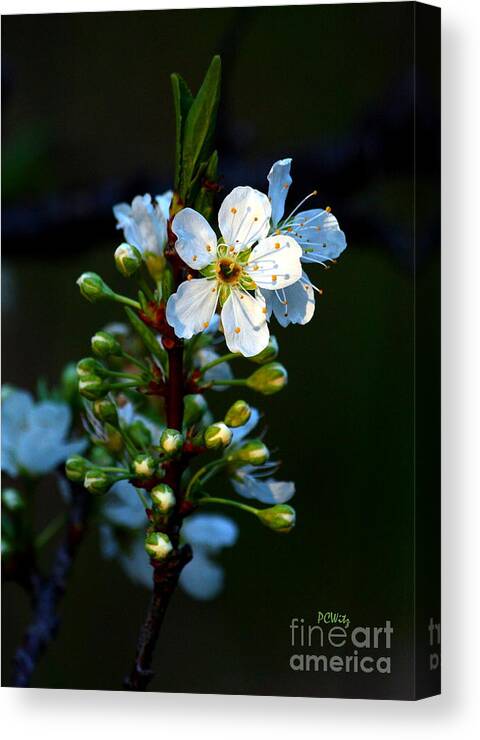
[(200, 126), (203, 202), (183, 99), (147, 336)]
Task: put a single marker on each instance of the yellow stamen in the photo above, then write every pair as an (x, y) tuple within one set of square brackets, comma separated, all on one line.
[(237, 330)]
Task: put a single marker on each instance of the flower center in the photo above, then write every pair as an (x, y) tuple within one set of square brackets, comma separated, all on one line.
[(228, 271)]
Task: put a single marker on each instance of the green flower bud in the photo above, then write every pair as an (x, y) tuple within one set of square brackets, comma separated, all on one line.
[(93, 288), (89, 366), (253, 452), (105, 345), (139, 434), (12, 499), (158, 545), (195, 407), (69, 382), (100, 457), (268, 379), (105, 410), (280, 518), (269, 353), (238, 414), (114, 441), (76, 468), (217, 435), (171, 441), (92, 387), (163, 498), (98, 481), (144, 466), (128, 259)]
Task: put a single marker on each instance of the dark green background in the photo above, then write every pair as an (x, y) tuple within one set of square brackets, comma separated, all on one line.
[(88, 121)]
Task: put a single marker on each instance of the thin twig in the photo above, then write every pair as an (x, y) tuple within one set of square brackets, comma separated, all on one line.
[(49, 591), (167, 573), (165, 579)]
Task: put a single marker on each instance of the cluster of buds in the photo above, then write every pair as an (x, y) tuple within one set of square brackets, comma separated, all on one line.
[(140, 449)]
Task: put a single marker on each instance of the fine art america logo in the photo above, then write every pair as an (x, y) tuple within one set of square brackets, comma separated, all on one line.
[(332, 630)]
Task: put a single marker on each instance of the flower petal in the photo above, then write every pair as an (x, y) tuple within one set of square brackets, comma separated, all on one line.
[(202, 578), (40, 451), (318, 230), (16, 409), (212, 531), (292, 305), (268, 491), (275, 262), (136, 563), (144, 225), (244, 217), (279, 182), (218, 372), (244, 323), (52, 417), (123, 507), (240, 433), (196, 240), (164, 201), (191, 308), (8, 462)]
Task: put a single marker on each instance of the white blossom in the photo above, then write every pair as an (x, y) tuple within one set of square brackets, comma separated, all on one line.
[(316, 231), (237, 271), (144, 222)]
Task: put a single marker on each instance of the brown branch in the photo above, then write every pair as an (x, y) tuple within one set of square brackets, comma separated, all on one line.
[(167, 573), (165, 579), (48, 592)]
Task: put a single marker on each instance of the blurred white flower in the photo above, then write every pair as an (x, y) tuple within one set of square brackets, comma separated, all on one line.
[(122, 534), (250, 482), (254, 481), (207, 534), (34, 434), (144, 222), (122, 507), (219, 372)]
